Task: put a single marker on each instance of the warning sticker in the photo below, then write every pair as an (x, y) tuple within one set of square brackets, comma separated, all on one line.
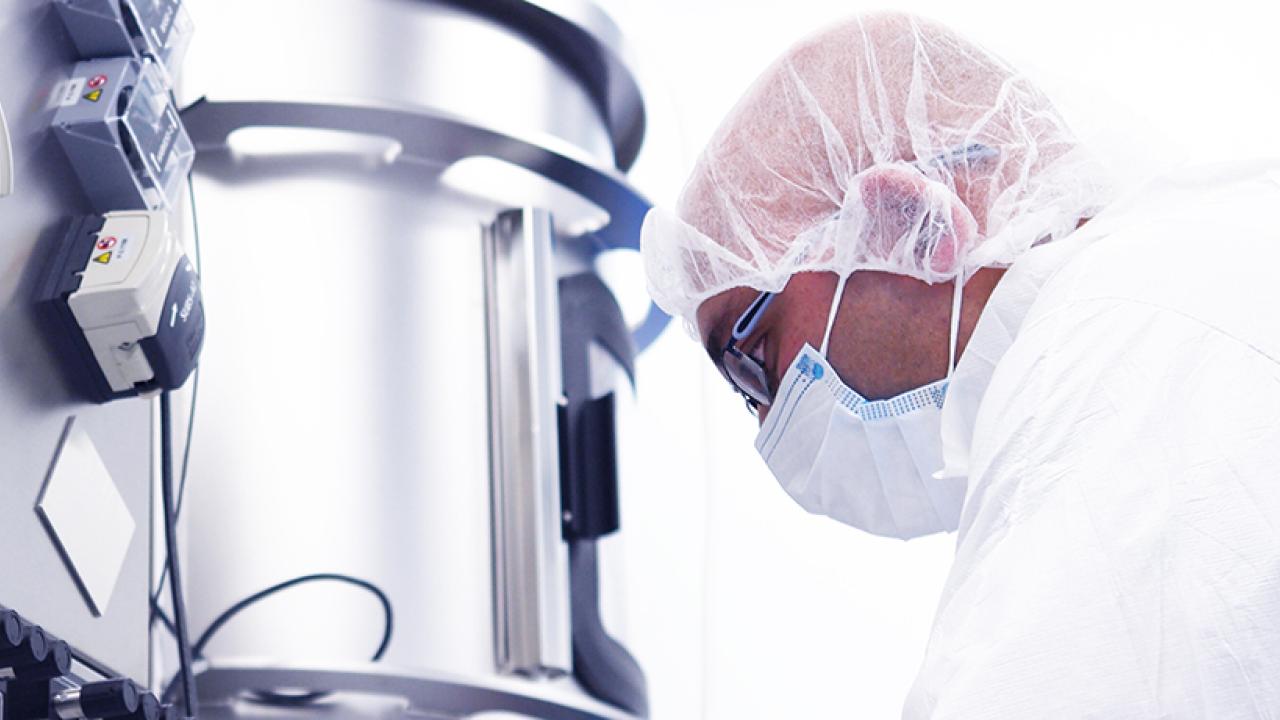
[(66, 93), (103, 259), (94, 96)]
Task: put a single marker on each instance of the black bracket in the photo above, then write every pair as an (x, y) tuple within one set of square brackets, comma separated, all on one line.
[(589, 315)]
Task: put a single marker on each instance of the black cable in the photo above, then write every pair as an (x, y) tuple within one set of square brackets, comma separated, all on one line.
[(191, 414), (275, 698), (171, 549), (195, 379), (182, 484), (173, 506), (198, 649), (178, 626), (164, 620), (156, 611), (195, 220), (186, 446)]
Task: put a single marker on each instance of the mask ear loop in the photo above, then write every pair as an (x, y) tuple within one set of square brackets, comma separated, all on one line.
[(831, 316), (956, 298)]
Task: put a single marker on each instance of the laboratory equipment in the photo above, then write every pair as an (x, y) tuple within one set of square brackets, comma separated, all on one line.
[(444, 202), (125, 300), (481, 522), (100, 150), (37, 681), (159, 30), (122, 135)]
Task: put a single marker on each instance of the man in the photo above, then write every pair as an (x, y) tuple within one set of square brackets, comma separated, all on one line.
[(897, 252)]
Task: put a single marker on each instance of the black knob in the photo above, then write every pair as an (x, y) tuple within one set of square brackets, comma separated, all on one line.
[(56, 663), (148, 708), (31, 650), (10, 629), (110, 699)]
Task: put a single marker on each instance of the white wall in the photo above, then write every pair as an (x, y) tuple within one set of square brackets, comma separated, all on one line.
[(739, 604)]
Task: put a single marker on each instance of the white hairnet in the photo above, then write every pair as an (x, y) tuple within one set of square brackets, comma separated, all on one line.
[(887, 142)]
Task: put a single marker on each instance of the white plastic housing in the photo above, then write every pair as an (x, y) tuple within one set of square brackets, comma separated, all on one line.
[(123, 290)]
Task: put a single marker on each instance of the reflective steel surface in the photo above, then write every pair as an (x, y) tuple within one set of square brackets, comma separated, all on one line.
[(397, 52), (344, 416), (531, 562), (387, 692)]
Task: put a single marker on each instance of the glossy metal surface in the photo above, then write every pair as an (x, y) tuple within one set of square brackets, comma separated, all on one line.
[(398, 53), (343, 422), (440, 138), (375, 691), (582, 37), (437, 138), (344, 418), (531, 576)]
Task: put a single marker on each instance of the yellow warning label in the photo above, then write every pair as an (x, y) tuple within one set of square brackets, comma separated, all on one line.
[(94, 96), (104, 258)]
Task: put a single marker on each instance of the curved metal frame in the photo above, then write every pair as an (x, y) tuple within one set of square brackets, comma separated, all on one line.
[(437, 137), (225, 682), (586, 40)]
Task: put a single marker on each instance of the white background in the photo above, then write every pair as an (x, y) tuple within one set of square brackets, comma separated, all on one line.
[(738, 603)]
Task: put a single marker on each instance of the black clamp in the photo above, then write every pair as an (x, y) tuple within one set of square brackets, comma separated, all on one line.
[(149, 708), (119, 699), (20, 651), (34, 677), (590, 317), (28, 667)]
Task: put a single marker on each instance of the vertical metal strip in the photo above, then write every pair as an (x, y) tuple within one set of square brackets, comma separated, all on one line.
[(531, 577)]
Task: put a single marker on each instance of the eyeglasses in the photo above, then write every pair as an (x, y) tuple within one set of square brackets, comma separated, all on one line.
[(745, 373)]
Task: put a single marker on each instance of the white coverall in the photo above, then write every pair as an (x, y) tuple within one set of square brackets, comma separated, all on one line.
[(1117, 413)]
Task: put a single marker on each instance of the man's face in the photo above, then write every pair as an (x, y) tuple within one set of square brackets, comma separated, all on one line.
[(891, 334), (792, 319)]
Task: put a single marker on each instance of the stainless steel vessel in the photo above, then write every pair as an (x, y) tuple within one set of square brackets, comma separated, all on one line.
[(382, 379)]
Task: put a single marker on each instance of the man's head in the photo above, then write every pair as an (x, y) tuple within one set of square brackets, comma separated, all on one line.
[(891, 334), (886, 145)]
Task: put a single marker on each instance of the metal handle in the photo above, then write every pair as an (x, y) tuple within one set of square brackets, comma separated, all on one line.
[(437, 137), (531, 564)]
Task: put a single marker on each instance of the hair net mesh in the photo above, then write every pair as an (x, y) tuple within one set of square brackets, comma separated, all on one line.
[(887, 142)]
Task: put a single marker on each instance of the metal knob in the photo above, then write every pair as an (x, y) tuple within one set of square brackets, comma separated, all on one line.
[(108, 699), (148, 709), (10, 629), (55, 663), (31, 650)]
